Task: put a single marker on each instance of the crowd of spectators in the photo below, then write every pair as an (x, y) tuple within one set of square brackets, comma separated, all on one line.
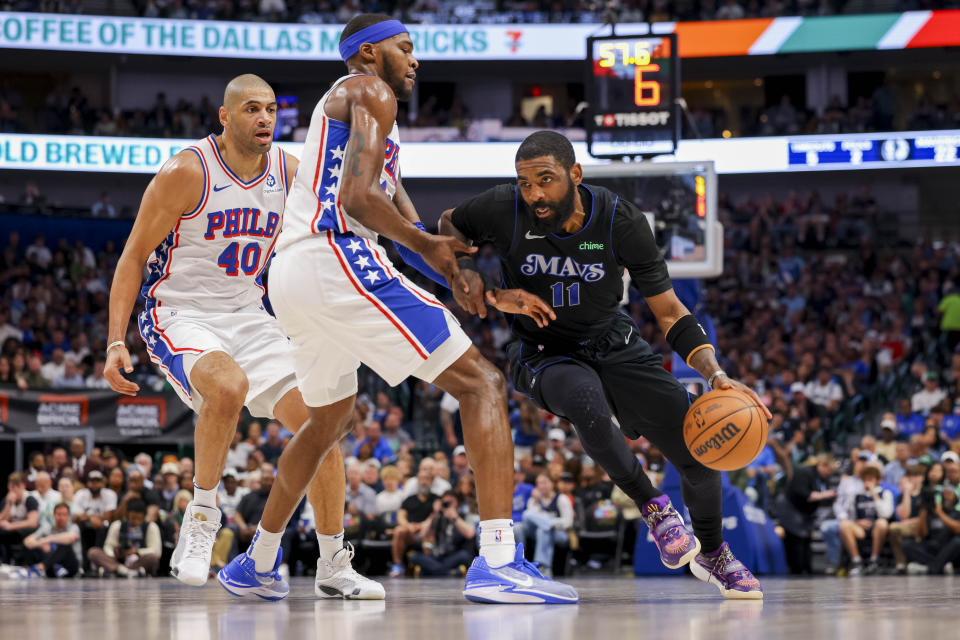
[(863, 114), (813, 311), (489, 11), (73, 113)]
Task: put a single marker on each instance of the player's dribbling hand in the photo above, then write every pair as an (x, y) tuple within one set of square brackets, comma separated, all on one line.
[(724, 382), (119, 358), (521, 302)]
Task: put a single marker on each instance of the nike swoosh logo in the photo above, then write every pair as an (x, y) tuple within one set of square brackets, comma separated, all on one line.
[(530, 236), (526, 582), (218, 188), (627, 339)]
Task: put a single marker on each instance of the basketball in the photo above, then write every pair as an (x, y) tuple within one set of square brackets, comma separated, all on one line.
[(725, 430)]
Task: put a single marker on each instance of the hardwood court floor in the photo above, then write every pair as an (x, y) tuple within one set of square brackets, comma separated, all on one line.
[(873, 608)]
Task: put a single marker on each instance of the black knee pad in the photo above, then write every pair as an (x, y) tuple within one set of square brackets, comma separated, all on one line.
[(586, 405)]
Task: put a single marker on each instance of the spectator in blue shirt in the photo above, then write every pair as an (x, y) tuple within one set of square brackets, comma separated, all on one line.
[(527, 427), (897, 468), (379, 447), (909, 422), (521, 493), (950, 424), (763, 469)]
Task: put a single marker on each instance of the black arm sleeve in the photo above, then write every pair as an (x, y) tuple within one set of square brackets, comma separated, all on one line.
[(636, 249), (488, 217)]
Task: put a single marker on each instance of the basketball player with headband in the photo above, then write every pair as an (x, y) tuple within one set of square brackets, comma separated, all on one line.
[(342, 302)]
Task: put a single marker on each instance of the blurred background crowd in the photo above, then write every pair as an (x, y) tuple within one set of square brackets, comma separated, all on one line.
[(848, 339)]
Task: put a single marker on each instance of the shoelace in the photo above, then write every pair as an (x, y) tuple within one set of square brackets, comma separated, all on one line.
[(345, 562), (526, 566), (200, 539), (738, 575), (657, 515)]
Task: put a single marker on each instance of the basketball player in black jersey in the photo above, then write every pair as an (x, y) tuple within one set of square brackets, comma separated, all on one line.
[(568, 243)]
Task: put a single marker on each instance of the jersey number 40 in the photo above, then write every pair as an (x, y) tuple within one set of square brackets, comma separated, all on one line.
[(233, 258)]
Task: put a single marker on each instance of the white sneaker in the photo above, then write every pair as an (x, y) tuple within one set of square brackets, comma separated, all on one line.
[(917, 569), (190, 563), (336, 578)]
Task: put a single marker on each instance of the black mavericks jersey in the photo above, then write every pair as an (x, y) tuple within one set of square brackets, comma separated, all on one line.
[(580, 274)]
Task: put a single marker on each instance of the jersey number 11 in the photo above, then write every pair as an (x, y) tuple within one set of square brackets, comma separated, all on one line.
[(573, 294)]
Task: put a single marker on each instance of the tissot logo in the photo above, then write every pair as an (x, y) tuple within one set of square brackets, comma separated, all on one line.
[(590, 246)]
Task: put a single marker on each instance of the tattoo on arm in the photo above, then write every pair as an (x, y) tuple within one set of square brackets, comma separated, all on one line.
[(705, 362), (355, 169)]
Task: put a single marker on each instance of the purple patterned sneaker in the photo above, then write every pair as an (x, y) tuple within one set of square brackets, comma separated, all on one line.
[(676, 542), (722, 569)]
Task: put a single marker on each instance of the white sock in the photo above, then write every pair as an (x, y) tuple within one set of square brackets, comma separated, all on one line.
[(263, 549), (329, 545), (204, 497), (497, 546)]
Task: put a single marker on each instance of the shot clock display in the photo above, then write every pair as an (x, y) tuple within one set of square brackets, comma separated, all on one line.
[(632, 90)]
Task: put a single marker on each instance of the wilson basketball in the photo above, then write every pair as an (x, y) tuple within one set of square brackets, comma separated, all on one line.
[(725, 430)]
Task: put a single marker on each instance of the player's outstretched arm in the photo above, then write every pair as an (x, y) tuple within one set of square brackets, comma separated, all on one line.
[(405, 206), (177, 188), (469, 290), (373, 108), (515, 301), (684, 333)]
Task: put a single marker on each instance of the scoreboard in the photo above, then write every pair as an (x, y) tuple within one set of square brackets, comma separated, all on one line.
[(633, 83)]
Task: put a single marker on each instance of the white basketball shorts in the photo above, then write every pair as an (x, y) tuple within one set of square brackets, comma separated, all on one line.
[(177, 338), (342, 302)]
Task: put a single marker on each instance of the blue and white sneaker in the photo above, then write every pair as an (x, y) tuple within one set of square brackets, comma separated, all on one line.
[(516, 583), (240, 578)]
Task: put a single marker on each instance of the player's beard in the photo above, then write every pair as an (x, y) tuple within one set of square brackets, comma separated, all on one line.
[(562, 210), (397, 81)]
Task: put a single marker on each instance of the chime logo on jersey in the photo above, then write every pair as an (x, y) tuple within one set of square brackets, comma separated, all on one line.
[(556, 266), (243, 221)]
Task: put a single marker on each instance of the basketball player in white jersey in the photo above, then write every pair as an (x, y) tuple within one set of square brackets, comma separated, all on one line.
[(211, 217), (341, 301)]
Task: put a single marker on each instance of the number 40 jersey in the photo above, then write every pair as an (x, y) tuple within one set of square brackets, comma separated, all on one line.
[(214, 258)]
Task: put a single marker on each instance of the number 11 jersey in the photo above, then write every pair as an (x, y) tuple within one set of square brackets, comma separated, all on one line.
[(214, 259)]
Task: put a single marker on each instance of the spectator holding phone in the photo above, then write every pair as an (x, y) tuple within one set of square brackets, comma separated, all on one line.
[(132, 548), (447, 539)]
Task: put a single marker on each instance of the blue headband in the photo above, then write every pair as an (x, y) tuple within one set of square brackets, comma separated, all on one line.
[(373, 33)]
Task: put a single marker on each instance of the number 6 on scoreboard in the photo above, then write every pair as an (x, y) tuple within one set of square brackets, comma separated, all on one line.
[(650, 86)]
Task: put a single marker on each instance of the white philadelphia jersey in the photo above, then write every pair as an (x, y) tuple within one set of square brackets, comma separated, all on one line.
[(314, 204), (214, 258)]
